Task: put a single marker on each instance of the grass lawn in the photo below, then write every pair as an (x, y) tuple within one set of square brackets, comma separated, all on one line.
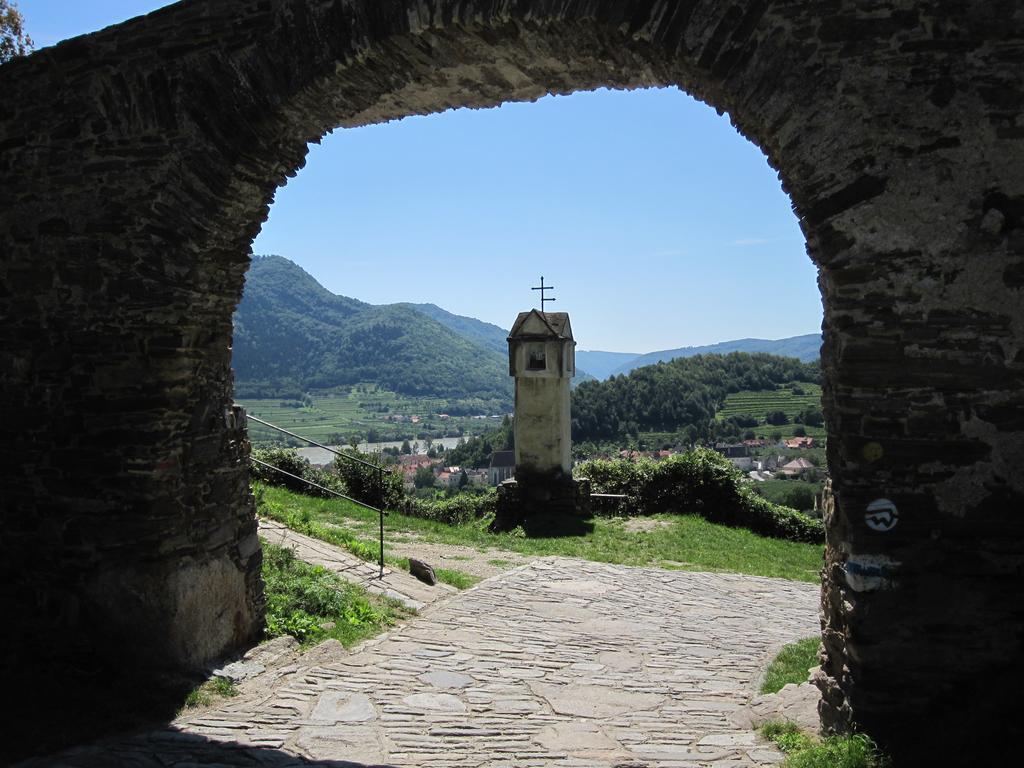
[(687, 542), (791, 665)]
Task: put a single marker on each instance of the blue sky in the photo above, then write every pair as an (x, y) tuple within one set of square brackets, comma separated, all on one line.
[(659, 225)]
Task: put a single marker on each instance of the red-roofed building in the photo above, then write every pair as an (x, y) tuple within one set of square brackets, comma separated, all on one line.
[(800, 442)]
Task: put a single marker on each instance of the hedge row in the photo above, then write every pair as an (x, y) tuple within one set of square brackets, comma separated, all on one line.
[(288, 460), (463, 508), (701, 482)]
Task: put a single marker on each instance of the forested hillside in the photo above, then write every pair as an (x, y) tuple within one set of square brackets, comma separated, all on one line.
[(678, 396), (293, 335), (477, 331)]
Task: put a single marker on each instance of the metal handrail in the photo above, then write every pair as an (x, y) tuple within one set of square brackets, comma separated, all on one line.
[(348, 456), (380, 476), (315, 485)]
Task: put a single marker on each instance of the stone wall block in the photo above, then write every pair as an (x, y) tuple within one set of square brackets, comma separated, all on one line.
[(140, 161)]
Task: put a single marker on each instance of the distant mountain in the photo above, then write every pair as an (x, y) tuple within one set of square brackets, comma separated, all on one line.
[(485, 334), (292, 334), (601, 364), (580, 377), (805, 348)]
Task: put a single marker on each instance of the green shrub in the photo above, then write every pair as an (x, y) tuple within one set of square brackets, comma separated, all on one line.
[(463, 508), (701, 482), (769, 519), (617, 476), (801, 497), (285, 459), (288, 460), (857, 751), (377, 487)]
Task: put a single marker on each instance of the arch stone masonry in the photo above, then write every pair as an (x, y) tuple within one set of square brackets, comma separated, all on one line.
[(139, 163)]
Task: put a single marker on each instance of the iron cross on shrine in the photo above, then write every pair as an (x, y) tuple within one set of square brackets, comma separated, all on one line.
[(543, 288)]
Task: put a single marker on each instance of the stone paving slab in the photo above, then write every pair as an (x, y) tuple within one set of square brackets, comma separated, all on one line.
[(398, 585), (558, 663)]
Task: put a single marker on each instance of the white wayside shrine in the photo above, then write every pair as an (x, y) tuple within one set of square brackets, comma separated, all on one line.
[(542, 358)]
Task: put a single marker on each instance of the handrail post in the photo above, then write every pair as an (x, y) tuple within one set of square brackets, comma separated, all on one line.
[(377, 466), (380, 506)]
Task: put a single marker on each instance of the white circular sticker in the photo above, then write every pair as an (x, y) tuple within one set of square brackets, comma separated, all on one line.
[(881, 515)]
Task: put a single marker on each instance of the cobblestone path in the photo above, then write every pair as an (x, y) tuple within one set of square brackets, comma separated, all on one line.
[(557, 663)]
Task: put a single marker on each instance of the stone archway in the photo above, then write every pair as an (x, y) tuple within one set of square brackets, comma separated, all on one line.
[(139, 163)]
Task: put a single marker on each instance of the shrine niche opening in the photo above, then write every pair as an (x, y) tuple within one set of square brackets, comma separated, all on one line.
[(140, 162)]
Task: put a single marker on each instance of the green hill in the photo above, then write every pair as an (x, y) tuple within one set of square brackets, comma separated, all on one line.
[(293, 335), (477, 331), (681, 396)]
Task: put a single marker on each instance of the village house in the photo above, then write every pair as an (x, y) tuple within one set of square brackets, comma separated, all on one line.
[(796, 467), (503, 467), (477, 476), (769, 463), (738, 455), (800, 442), (409, 464), (417, 460)]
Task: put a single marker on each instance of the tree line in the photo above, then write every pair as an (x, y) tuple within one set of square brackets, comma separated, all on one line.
[(681, 395)]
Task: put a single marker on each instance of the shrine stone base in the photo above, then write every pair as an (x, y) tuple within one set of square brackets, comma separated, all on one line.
[(541, 502)]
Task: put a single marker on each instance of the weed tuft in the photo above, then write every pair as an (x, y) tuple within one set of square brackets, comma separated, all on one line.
[(457, 579), (311, 604), (791, 664), (806, 751), (208, 692)]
